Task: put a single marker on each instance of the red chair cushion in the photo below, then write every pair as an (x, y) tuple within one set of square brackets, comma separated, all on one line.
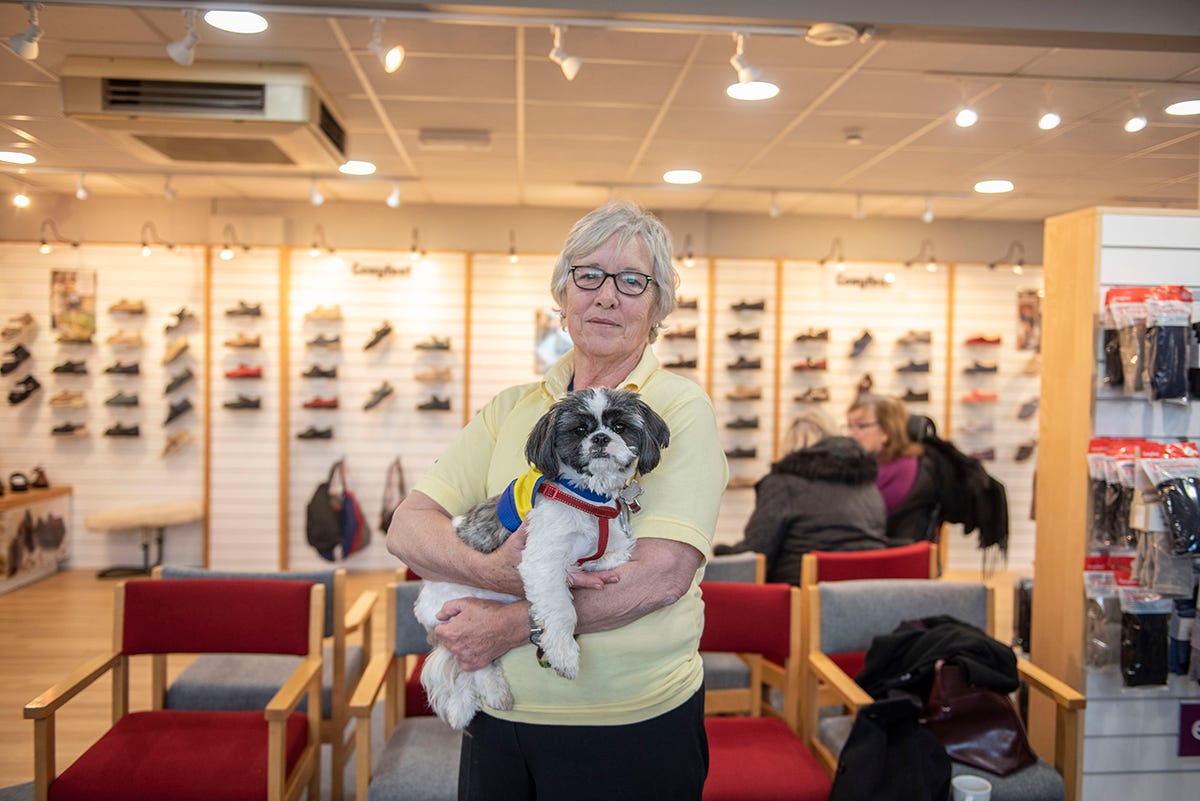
[(851, 662), (416, 704), (905, 561), (760, 759), (747, 618), (180, 755)]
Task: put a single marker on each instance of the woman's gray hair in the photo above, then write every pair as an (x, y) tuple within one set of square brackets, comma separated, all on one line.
[(625, 220)]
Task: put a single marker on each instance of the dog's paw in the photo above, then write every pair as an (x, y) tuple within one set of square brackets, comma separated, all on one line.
[(493, 689), (563, 655), (458, 710)]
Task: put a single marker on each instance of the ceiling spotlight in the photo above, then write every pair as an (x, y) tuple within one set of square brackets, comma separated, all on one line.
[(994, 186), (569, 64), (682, 176), (854, 136), (513, 258), (687, 257), (17, 157), (319, 243), (834, 34), (353, 167), (81, 191), (927, 215), (390, 57), (393, 200), (926, 255), (415, 252), (1135, 123), (314, 195), (236, 21), (748, 86), (25, 44), (21, 199), (183, 51), (966, 117), (836, 257), (169, 191), (1183, 108), (773, 209), (1049, 121), (860, 211)]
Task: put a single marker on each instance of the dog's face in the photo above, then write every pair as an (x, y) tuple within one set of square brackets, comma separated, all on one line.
[(599, 437)]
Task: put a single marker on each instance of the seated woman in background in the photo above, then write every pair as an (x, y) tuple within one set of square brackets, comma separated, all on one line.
[(907, 478), (821, 496)]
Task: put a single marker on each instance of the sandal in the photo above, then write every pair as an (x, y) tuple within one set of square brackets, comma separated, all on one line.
[(18, 482), (39, 479)]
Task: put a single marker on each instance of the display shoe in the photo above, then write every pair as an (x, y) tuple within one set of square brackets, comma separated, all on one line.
[(811, 364), (687, 303), (176, 410), (743, 363), (977, 427), (749, 305), (333, 342), (244, 402), (70, 368), (178, 380), (244, 341), (182, 316), (118, 430), (378, 395), (245, 371), (977, 367), (984, 339), (912, 396), (123, 399), (244, 309), (814, 395), (320, 372), (1028, 409), (175, 350), (18, 326), (741, 453), (433, 343), (68, 399), (743, 422), (378, 335), (865, 384), (124, 306), (1025, 450), (69, 430), (176, 442), (77, 337), (980, 396), (434, 404), (813, 335), (913, 367), (744, 393), (680, 333), (312, 432), (1033, 366), (324, 313), (121, 368), (741, 336), (23, 389), (985, 455), (39, 480), (860, 344), (681, 363), (324, 403), (126, 339), (912, 337), (16, 357), (434, 374), (18, 482)]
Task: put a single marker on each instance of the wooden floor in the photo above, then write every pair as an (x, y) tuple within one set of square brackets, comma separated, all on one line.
[(51, 627)]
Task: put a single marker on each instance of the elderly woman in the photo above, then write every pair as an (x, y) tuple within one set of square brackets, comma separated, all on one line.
[(631, 725)]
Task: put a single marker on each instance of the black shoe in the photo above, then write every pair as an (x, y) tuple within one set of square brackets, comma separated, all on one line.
[(322, 341), (181, 317), (23, 389), (313, 432), (981, 367), (1025, 450), (244, 309), (913, 367), (433, 343), (177, 409), (69, 430), (813, 335), (380, 332), (70, 368), (178, 381), (741, 453), (119, 430), (435, 404), (680, 333), (911, 396), (378, 395), (743, 422), (694, 303), (865, 383), (860, 344), (17, 355), (318, 372), (681, 364), (743, 363), (749, 305), (120, 368), (244, 402), (740, 335), (123, 399)]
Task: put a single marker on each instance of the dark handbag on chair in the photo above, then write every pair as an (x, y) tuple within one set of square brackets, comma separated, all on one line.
[(979, 726)]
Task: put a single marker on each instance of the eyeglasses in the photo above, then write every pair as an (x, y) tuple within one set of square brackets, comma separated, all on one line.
[(861, 426), (627, 282)]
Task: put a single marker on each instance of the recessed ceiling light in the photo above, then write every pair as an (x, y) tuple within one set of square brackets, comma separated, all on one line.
[(994, 186), (966, 117), (1049, 121), (357, 168), (17, 157), (1135, 123), (236, 21), (1184, 108), (682, 176), (752, 90)]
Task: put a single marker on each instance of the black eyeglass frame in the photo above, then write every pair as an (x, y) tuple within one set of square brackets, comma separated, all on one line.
[(617, 284)]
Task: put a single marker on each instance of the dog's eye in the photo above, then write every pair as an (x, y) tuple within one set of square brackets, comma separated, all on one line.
[(581, 430), (619, 427)]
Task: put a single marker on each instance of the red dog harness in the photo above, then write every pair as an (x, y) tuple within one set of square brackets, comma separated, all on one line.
[(602, 514)]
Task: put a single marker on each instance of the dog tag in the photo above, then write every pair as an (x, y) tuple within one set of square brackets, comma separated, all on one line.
[(629, 496)]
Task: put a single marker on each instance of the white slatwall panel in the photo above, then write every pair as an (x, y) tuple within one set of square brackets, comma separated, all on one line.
[(106, 472), (693, 285), (985, 302), (425, 302), (244, 456)]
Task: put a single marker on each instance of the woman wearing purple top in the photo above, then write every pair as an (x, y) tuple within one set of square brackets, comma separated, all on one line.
[(907, 478)]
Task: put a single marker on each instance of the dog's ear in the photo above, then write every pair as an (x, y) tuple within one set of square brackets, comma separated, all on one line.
[(655, 436), (539, 448)]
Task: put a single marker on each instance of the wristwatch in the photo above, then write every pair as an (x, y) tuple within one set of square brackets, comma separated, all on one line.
[(535, 631)]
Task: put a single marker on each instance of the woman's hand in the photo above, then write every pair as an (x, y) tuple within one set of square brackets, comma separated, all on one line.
[(478, 631)]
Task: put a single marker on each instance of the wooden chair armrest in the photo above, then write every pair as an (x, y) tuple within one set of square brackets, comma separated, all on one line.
[(288, 697), (360, 612), (840, 684), (48, 702), (369, 685), (1063, 694)]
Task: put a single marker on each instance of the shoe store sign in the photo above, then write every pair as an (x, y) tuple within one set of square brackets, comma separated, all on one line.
[(866, 281), (380, 271)]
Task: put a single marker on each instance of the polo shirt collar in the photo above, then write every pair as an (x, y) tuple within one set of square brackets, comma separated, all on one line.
[(559, 376)]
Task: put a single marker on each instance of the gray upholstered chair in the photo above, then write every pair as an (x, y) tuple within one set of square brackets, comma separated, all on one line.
[(730, 680), (844, 616), (246, 681), (419, 761)]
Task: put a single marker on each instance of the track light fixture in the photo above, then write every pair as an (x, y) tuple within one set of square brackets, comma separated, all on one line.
[(169, 191), (183, 51), (1015, 255), (393, 200), (230, 238), (389, 57), (150, 237), (927, 215), (314, 195), (925, 255), (773, 209), (1050, 118), (25, 44), (568, 64), (966, 116), (49, 233), (836, 258), (687, 257), (81, 190), (318, 242), (513, 258), (748, 86), (416, 252)]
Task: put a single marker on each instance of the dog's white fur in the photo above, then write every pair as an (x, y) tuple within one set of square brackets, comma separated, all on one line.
[(595, 438)]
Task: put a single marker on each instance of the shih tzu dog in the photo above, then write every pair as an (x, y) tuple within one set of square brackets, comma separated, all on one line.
[(584, 451)]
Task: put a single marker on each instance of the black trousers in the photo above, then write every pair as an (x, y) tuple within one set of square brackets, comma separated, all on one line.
[(661, 759)]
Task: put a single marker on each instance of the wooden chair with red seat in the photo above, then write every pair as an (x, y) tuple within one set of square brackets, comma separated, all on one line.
[(730, 679), (763, 756), (267, 755)]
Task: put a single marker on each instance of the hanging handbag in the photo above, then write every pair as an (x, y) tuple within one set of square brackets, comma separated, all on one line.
[(979, 726), (393, 493), (335, 518)]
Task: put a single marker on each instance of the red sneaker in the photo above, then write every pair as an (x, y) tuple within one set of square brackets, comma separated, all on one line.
[(244, 371), (980, 396), (321, 403), (983, 339)]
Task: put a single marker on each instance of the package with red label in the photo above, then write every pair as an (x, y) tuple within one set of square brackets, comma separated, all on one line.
[(1169, 343), (1127, 304), (1171, 473)]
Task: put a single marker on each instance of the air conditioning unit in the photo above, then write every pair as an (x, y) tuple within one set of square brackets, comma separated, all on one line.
[(261, 115)]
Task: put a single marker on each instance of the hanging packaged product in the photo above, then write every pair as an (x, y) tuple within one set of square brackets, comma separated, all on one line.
[(1114, 374), (1127, 304), (1169, 343), (1099, 535), (1144, 627), (1120, 470), (1102, 614), (1172, 473)]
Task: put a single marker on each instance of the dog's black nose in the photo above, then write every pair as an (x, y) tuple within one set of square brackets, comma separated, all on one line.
[(599, 439)]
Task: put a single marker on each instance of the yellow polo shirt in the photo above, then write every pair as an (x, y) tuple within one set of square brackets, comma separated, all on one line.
[(651, 666)]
